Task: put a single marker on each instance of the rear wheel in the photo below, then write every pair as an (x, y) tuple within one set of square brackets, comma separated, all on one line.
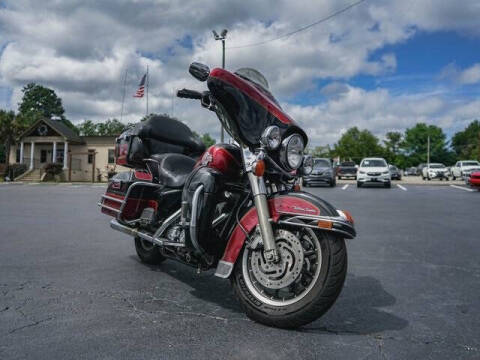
[(301, 287), (388, 184), (148, 252), (359, 184)]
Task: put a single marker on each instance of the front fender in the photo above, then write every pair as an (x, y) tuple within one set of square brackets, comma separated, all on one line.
[(300, 205)]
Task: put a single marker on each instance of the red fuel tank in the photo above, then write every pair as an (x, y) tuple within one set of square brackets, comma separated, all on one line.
[(224, 158)]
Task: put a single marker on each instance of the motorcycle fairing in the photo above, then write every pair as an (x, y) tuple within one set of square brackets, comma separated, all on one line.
[(249, 107), (300, 204)]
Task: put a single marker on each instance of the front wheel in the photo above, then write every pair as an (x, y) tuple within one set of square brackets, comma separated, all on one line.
[(301, 287), (148, 252)]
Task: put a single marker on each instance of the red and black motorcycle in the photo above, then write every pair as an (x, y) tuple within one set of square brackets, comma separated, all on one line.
[(235, 208)]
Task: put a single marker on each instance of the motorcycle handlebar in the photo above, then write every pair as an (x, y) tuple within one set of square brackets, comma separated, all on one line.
[(189, 94)]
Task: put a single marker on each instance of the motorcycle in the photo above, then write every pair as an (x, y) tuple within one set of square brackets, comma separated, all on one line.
[(236, 208)]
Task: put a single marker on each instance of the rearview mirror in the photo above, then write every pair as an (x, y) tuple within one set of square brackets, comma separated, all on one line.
[(199, 71)]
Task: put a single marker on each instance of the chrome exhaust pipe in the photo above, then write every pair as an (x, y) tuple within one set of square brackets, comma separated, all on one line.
[(114, 224)]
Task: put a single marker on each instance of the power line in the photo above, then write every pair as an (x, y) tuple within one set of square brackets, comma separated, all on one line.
[(303, 28)]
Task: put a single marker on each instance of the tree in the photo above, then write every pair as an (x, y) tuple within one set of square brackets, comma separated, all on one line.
[(11, 126), (356, 145), (208, 140), (415, 144), (87, 128), (466, 143), (40, 101), (110, 127)]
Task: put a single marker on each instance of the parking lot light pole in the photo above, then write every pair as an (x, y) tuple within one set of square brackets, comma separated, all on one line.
[(222, 37)]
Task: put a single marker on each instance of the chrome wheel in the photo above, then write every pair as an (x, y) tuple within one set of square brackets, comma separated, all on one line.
[(292, 277)]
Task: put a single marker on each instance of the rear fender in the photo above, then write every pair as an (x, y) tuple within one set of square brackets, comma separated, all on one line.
[(286, 209)]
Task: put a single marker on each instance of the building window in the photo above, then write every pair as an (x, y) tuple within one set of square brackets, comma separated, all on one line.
[(43, 156), (18, 155), (91, 154), (111, 156)]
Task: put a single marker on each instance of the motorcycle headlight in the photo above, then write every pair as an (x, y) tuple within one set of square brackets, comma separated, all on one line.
[(271, 137), (291, 152)]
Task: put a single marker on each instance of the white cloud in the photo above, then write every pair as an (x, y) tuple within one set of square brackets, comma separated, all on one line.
[(82, 48)]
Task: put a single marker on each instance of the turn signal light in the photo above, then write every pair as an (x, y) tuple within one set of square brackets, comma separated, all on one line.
[(348, 216), (259, 168), (325, 224), (296, 188)]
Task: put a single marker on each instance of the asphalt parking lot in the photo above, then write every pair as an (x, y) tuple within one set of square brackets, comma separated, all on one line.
[(72, 288)]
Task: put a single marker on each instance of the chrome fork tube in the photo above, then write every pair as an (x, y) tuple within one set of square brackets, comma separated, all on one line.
[(261, 204)]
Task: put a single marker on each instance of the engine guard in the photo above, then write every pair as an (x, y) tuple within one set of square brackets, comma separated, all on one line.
[(287, 209)]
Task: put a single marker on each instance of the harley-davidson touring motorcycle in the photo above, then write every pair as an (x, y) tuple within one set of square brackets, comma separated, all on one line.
[(238, 208)]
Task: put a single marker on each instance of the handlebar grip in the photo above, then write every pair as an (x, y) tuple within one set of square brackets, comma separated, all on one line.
[(189, 94)]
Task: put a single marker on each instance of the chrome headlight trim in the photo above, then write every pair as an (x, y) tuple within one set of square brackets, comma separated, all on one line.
[(271, 137), (291, 152)]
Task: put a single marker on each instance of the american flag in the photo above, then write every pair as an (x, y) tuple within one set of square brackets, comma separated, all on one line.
[(141, 88)]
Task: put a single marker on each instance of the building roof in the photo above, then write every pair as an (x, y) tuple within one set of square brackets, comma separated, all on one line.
[(57, 125)]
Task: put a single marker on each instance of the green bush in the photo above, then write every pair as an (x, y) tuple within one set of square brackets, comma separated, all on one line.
[(53, 169)]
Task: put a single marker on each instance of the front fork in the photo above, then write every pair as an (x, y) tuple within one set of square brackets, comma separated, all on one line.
[(257, 184)]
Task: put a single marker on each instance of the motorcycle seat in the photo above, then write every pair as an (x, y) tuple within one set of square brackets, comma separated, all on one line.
[(172, 169)]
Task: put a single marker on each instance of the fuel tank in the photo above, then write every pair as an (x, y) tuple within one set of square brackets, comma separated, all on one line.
[(224, 158)]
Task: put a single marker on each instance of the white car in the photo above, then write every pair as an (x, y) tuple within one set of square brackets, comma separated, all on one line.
[(375, 171), (435, 171), (464, 168)]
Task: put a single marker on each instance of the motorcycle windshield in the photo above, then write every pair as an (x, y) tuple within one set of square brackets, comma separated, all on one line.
[(246, 107)]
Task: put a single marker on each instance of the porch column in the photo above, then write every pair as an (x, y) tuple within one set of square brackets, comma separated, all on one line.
[(54, 155), (65, 156), (32, 152), (21, 152)]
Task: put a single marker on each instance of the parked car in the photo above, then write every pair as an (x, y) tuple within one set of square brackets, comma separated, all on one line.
[(347, 169), (464, 168), (322, 173), (420, 168), (411, 171), (395, 173), (374, 170), (474, 179), (435, 171)]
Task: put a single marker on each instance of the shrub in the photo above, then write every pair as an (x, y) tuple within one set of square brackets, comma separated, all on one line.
[(53, 169)]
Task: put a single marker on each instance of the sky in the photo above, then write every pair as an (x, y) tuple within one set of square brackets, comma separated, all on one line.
[(381, 65)]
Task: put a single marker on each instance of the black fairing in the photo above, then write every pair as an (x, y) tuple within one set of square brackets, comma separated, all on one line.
[(244, 117), (171, 170)]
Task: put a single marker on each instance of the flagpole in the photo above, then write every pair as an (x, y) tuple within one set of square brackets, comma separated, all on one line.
[(147, 92), (124, 89)]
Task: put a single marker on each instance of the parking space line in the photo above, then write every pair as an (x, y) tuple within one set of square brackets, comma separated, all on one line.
[(344, 186), (461, 187), (402, 187)]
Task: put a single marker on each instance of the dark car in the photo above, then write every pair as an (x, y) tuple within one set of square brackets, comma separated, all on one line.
[(411, 171), (347, 169), (322, 173), (395, 173)]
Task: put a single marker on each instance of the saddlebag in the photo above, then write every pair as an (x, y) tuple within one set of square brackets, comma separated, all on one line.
[(157, 135), (143, 194)]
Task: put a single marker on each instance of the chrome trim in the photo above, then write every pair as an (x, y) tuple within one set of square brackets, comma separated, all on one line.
[(224, 269), (168, 221), (112, 198), (193, 220), (114, 224), (138, 183), (219, 219), (108, 207)]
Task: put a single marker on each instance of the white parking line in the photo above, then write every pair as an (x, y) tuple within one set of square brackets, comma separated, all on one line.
[(402, 187), (344, 186), (461, 187)]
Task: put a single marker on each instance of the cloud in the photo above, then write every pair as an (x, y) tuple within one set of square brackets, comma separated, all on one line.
[(81, 49), (468, 76)]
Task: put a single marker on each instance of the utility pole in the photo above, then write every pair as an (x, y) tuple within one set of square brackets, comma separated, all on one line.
[(124, 89), (428, 151), (222, 37)]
